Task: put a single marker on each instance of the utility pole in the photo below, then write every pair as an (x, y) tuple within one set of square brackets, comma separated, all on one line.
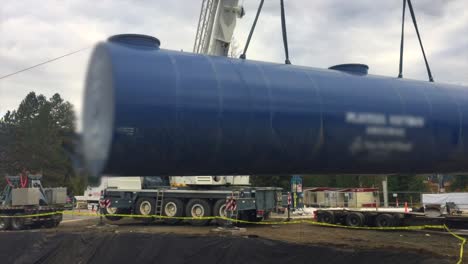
[(385, 191)]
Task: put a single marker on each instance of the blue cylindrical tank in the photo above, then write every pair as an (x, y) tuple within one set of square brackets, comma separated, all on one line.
[(150, 111)]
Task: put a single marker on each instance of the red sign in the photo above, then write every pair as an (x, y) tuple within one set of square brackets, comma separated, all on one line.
[(289, 198), (231, 204), (104, 203)]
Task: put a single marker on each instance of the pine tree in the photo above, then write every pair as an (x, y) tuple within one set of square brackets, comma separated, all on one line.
[(271, 180), (460, 183), (32, 138)]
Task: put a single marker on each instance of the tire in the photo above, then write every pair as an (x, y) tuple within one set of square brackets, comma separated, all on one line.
[(4, 223), (58, 217), (384, 220), (17, 223), (51, 223), (54, 221), (219, 209), (109, 211), (173, 208), (253, 217), (432, 212), (145, 206), (355, 219), (198, 208), (327, 217), (398, 219)]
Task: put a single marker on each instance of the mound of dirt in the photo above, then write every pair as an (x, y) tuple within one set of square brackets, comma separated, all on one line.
[(110, 247)]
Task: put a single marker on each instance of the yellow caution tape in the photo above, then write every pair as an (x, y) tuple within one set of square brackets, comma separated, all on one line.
[(299, 221), (463, 242), (31, 215)]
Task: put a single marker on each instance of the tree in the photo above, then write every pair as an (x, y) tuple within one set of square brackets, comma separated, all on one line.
[(32, 138), (7, 138), (319, 180), (271, 180), (460, 183), (408, 187), (343, 181)]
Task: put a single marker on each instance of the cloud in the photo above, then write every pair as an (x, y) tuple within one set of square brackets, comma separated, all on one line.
[(320, 34)]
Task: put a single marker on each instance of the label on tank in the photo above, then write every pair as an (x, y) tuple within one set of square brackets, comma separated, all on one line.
[(382, 132)]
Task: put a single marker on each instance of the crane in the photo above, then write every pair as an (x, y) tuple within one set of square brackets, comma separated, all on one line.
[(216, 26)]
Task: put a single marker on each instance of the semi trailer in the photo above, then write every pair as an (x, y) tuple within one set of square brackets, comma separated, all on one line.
[(197, 196)]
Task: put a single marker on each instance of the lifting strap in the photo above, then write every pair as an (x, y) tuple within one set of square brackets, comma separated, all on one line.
[(243, 56), (413, 17), (285, 36)]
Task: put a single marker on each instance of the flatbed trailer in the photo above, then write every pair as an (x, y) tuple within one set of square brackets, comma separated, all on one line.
[(252, 203), (22, 217), (385, 218), (356, 217), (451, 221)]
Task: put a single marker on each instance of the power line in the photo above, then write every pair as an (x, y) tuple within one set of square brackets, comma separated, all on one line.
[(42, 63)]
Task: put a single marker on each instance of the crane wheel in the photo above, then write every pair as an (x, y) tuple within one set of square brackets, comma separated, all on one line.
[(145, 207), (172, 208), (109, 211), (219, 209), (198, 208)]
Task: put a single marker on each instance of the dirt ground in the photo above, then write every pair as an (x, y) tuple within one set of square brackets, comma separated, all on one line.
[(263, 243)]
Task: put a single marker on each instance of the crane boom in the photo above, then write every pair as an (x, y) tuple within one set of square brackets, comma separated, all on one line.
[(207, 11), (216, 26)]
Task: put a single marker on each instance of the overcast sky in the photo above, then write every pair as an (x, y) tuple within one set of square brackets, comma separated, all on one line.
[(321, 33)]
